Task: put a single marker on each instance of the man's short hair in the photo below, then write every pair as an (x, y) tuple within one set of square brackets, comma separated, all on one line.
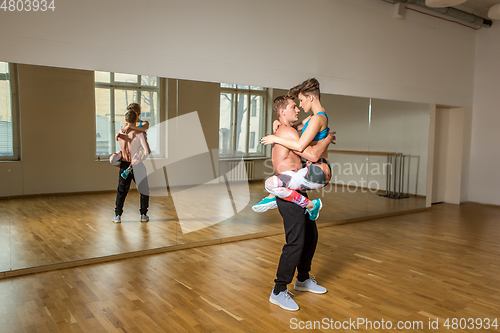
[(281, 102), (130, 116)]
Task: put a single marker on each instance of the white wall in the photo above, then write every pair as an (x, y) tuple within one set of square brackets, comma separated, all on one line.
[(464, 196), (354, 47), (484, 179), (451, 155), (431, 151), (442, 141)]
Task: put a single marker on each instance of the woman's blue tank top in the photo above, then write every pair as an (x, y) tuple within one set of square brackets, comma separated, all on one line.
[(320, 135)]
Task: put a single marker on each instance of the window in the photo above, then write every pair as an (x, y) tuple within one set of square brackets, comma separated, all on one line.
[(113, 93), (254, 110), (251, 142), (9, 133), (242, 120)]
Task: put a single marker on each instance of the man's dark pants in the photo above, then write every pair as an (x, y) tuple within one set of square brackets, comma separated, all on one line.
[(301, 239), (124, 186)]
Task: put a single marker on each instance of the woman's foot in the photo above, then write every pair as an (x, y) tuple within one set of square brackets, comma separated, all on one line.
[(314, 211), (265, 204)]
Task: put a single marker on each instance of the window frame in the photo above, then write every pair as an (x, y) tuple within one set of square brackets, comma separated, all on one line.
[(248, 91), (14, 102), (113, 86)]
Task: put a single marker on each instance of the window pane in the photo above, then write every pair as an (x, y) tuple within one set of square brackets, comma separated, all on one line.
[(242, 87), (104, 77), (122, 99), (149, 107), (149, 112), (256, 88), (102, 121), (256, 125), (225, 121), (4, 67), (128, 78), (251, 141), (241, 123), (227, 85), (149, 80), (6, 144)]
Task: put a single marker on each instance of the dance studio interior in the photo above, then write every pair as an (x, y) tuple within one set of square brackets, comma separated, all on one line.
[(409, 232)]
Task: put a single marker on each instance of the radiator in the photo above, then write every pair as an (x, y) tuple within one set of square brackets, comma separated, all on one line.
[(238, 171)]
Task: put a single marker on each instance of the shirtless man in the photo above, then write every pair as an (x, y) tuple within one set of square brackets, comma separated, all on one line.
[(130, 142), (300, 231)]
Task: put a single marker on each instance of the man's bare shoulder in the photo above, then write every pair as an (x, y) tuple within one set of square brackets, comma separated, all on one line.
[(287, 132)]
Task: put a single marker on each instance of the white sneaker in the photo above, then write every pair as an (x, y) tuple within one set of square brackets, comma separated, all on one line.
[(284, 300), (144, 218), (117, 219), (309, 285), (265, 204)]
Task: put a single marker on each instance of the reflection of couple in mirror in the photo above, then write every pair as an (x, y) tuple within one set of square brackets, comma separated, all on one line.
[(134, 149)]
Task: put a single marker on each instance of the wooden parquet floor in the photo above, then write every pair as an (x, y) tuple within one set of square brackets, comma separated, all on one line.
[(437, 264), (44, 230)]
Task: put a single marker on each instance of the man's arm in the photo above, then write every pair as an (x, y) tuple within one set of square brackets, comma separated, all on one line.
[(297, 145), (314, 153), (143, 128), (124, 131)]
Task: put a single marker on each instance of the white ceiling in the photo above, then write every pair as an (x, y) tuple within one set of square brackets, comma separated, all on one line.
[(477, 7)]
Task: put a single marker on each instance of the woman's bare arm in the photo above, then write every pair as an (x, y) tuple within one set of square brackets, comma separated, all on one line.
[(297, 145), (314, 153)]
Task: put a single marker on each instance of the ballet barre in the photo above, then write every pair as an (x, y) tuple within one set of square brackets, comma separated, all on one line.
[(394, 177)]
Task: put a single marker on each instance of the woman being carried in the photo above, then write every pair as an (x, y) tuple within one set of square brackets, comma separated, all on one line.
[(315, 174), (141, 126)]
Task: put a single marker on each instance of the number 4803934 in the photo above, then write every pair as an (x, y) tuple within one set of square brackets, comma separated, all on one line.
[(27, 5)]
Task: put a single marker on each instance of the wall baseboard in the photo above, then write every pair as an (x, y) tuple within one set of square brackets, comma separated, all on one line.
[(41, 195), (480, 203)]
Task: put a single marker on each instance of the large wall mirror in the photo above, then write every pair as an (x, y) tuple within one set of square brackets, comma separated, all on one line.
[(57, 195)]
